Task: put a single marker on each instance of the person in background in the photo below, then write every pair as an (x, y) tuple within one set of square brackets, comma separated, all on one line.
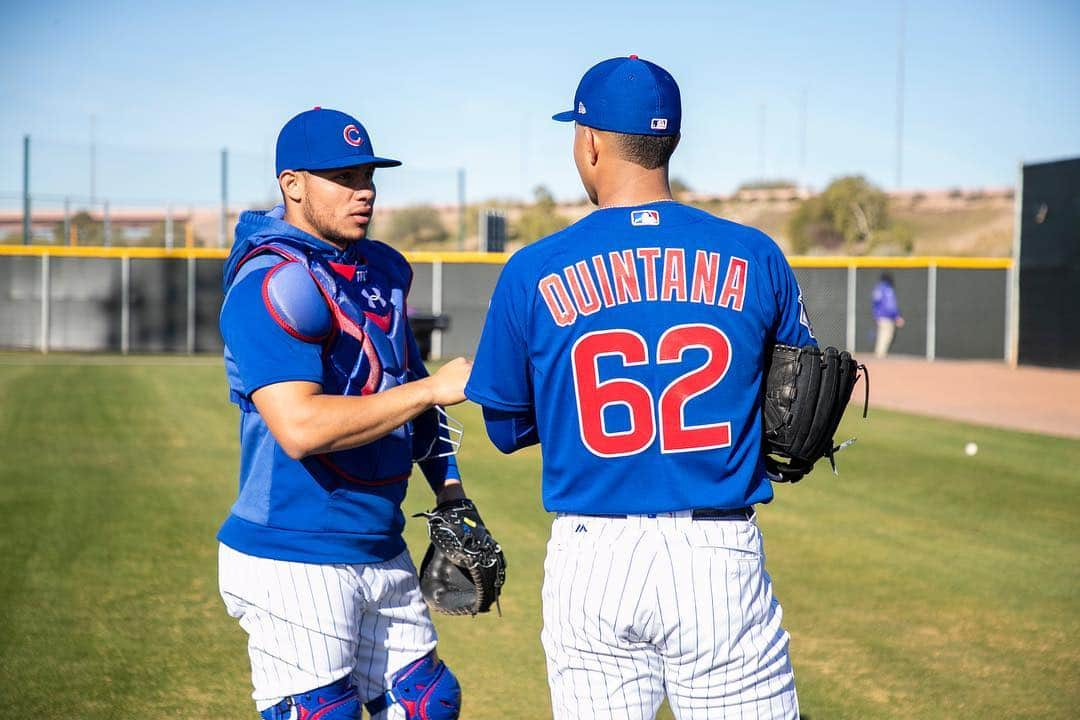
[(886, 314)]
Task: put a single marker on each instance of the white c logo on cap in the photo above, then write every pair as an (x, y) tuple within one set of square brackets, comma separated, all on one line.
[(352, 135)]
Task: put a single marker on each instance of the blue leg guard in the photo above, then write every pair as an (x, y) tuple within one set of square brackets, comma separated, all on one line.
[(336, 701), (426, 689)]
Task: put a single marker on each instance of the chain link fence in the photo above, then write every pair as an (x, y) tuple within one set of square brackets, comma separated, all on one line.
[(107, 195), (161, 301)]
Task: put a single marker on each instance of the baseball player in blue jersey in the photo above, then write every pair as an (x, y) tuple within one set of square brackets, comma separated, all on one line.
[(631, 346), (335, 407)]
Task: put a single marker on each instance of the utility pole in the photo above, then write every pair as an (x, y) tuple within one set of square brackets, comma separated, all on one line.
[(223, 224), (802, 140), (93, 160), (67, 221), (761, 141), (523, 151), (26, 190), (461, 207), (900, 94), (169, 226)]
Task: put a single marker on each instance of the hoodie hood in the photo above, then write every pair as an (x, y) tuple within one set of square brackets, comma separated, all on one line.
[(258, 227)]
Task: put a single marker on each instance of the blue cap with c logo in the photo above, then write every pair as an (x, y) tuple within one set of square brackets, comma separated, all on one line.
[(321, 139), (627, 95)]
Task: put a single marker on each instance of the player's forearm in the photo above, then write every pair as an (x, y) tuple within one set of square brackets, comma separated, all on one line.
[(329, 423), (439, 471), (452, 489), (305, 421)]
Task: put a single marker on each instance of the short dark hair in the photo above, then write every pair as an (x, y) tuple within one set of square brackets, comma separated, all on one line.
[(648, 151)]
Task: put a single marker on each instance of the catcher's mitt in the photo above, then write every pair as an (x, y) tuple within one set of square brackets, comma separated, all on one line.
[(806, 392), (464, 569)]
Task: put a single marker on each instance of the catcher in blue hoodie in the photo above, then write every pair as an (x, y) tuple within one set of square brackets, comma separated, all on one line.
[(335, 408)]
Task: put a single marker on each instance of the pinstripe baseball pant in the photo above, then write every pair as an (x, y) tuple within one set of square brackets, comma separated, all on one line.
[(639, 607), (309, 625)]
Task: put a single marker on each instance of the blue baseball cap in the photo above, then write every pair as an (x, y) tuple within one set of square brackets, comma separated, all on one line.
[(627, 95), (321, 139)]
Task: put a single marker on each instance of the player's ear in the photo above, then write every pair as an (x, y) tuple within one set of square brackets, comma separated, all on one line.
[(592, 145), (292, 185)]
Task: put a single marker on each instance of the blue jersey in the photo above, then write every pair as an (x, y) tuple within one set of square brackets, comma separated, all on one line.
[(638, 338), (299, 309), (885, 305)]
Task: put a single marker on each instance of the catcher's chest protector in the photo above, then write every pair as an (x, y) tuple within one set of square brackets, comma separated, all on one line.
[(366, 351)]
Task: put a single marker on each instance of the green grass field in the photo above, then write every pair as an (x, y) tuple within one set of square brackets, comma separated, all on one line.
[(920, 583)]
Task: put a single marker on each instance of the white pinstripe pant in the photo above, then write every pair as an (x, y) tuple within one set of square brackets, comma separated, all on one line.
[(309, 625), (638, 607)]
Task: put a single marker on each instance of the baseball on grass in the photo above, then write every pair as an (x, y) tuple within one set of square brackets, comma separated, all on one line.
[(970, 449)]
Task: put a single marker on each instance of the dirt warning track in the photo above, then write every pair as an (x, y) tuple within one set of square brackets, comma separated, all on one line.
[(1032, 399)]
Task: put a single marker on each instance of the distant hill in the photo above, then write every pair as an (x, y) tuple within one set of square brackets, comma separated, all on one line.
[(959, 222)]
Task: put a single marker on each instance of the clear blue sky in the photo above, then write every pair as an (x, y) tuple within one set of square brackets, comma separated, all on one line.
[(473, 84)]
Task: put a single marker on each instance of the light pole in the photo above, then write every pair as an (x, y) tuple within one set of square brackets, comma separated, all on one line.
[(900, 28)]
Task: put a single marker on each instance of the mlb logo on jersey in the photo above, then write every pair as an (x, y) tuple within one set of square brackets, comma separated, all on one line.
[(644, 217)]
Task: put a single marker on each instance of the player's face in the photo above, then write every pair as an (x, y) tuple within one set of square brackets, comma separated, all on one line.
[(338, 203), (583, 158)]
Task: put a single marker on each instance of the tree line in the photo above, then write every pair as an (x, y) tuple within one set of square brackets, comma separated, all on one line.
[(850, 216)]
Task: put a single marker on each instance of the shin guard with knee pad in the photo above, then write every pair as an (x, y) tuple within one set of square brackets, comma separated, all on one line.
[(425, 688), (336, 701)]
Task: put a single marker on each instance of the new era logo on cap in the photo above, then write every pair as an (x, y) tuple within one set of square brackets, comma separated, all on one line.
[(644, 217), (581, 108)]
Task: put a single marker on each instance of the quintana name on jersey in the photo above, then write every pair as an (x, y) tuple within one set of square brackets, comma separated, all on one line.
[(644, 274)]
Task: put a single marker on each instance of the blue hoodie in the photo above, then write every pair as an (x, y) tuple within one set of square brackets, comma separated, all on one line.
[(338, 507), (885, 303)]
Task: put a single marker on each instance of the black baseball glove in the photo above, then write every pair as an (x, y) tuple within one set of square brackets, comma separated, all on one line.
[(806, 392), (464, 569)]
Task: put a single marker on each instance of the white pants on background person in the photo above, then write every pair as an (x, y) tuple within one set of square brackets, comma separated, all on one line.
[(640, 606), (886, 330), (309, 625)]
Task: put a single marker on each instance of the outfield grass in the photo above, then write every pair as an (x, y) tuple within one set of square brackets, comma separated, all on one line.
[(920, 583)]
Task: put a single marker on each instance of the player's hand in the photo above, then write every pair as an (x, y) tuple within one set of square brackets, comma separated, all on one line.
[(899, 322), (448, 383)]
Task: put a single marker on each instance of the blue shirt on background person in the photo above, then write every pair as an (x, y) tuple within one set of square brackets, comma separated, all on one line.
[(885, 303), (887, 317)]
